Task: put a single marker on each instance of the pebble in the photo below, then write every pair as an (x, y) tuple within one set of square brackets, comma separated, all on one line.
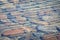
[(32, 16)]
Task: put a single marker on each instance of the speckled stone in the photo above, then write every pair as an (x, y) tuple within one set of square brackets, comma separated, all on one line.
[(50, 37)]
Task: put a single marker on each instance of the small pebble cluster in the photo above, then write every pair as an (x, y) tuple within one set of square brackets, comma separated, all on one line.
[(29, 19)]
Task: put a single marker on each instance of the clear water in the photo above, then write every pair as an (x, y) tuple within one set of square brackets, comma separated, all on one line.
[(42, 16)]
